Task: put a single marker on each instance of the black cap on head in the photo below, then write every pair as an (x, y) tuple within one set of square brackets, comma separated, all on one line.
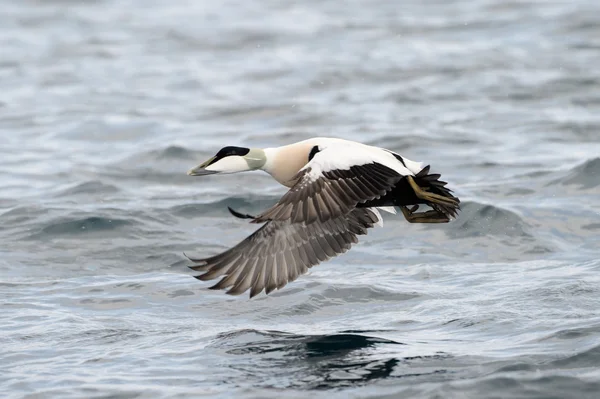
[(228, 151)]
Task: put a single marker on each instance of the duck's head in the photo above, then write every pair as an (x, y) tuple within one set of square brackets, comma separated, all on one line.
[(231, 160)]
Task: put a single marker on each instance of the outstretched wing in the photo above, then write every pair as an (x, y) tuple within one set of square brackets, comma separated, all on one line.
[(334, 182), (281, 250)]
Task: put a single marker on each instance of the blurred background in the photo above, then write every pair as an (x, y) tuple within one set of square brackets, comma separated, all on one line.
[(104, 106)]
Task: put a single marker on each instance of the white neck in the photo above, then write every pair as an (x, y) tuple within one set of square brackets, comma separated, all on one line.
[(283, 163)]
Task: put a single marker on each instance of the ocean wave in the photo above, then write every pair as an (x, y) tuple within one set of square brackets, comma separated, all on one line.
[(162, 156), (88, 225), (171, 152), (167, 164), (479, 219), (521, 384), (108, 132), (586, 176), (94, 187), (357, 293), (6, 203), (248, 204), (574, 333), (495, 233), (584, 359), (21, 215)]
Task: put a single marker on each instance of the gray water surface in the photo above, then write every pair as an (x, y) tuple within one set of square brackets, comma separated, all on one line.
[(104, 106)]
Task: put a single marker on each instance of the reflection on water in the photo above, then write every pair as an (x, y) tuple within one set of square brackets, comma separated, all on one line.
[(320, 361)]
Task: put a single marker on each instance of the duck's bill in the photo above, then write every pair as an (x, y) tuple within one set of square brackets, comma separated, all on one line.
[(200, 170)]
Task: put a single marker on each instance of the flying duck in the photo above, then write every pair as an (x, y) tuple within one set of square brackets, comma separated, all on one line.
[(336, 189)]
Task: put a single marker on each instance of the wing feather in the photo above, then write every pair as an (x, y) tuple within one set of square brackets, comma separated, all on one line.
[(333, 193), (280, 251)]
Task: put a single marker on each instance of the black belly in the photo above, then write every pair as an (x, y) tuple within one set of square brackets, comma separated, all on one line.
[(401, 194)]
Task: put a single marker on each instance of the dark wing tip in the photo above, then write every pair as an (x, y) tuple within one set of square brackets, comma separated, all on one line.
[(235, 292), (239, 214), (424, 171), (196, 260)]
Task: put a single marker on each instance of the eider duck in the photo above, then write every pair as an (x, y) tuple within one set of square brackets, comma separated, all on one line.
[(336, 187)]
